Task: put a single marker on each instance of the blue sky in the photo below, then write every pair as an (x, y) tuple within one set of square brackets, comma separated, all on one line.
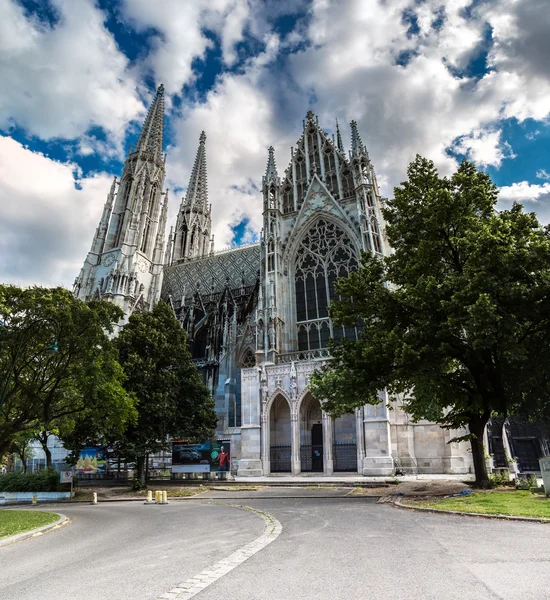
[(439, 78)]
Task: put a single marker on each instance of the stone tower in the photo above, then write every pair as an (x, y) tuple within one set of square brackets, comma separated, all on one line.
[(191, 238), (125, 262)]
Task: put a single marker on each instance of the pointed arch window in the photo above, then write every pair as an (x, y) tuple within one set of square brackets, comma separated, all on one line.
[(301, 177), (122, 214), (347, 182), (288, 197), (325, 254)]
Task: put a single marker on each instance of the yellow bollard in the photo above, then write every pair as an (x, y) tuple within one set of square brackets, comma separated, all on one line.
[(157, 497), (94, 498), (149, 496), (165, 497), (35, 500)]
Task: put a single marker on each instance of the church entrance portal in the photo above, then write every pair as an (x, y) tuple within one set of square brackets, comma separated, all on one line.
[(280, 435), (311, 435)]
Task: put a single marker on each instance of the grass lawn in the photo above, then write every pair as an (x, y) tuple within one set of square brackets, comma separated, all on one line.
[(513, 503), (13, 522)]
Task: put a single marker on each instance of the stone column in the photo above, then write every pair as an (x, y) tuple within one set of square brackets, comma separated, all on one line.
[(250, 464), (376, 426), (266, 434), (360, 434), (296, 463), (328, 460)]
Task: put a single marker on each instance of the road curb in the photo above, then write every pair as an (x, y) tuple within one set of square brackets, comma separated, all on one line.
[(63, 520), (397, 503)]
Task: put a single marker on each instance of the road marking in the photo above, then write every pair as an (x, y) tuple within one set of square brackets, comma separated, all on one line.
[(206, 578)]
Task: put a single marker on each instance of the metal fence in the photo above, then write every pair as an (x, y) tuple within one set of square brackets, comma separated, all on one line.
[(344, 456), (279, 456)]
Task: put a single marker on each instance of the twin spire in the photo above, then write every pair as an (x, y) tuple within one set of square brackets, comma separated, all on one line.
[(150, 138), (197, 190)]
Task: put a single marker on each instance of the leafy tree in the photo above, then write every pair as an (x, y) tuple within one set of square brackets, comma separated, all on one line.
[(21, 446), (172, 400), (457, 318), (57, 364)]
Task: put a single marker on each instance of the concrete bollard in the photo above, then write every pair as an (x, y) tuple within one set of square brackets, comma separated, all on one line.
[(35, 500), (149, 497), (157, 497), (94, 498), (165, 497)]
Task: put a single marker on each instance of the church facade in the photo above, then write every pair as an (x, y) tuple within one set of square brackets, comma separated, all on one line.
[(257, 315)]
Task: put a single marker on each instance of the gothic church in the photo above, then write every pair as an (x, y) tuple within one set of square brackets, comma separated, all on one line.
[(257, 315)]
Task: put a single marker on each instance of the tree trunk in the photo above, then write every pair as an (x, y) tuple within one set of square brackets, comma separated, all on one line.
[(477, 429), (140, 466), (43, 437), (23, 462), (5, 445)]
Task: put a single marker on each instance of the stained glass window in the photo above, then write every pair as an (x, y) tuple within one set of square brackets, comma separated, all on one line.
[(325, 254)]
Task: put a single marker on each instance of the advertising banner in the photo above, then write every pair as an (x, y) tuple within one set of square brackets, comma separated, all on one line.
[(92, 460), (205, 457)]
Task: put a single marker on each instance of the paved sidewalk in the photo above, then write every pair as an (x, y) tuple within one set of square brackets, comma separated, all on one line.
[(319, 478)]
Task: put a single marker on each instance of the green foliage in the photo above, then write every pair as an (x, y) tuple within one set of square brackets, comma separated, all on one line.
[(172, 400), (527, 483), (500, 478), (44, 481), (457, 320), (56, 390)]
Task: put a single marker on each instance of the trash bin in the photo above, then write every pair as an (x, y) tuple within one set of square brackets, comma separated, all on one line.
[(545, 472)]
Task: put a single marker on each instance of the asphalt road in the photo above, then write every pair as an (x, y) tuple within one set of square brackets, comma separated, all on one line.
[(333, 548)]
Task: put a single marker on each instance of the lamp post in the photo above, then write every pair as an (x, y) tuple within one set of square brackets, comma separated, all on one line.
[(53, 347)]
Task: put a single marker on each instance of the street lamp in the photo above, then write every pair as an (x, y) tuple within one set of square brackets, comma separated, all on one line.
[(53, 347)]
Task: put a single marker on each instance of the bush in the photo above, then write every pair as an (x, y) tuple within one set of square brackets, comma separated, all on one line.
[(499, 478), (44, 481)]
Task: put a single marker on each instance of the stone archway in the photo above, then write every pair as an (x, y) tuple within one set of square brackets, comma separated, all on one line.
[(311, 434), (280, 436)]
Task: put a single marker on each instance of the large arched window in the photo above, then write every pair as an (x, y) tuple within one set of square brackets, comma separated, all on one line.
[(325, 254)]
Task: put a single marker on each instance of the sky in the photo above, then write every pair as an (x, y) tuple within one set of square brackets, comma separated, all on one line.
[(446, 79)]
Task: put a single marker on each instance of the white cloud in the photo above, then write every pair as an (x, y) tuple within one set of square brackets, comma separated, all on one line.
[(182, 39), (534, 197), (484, 147), (58, 81), (543, 174), (524, 192), (46, 223)]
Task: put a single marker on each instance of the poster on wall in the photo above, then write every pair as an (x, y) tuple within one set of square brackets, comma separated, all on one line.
[(190, 458), (205, 457), (91, 461), (220, 456)]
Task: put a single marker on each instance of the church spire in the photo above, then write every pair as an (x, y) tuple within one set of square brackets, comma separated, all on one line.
[(271, 169), (356, 143), (339, 137), (192, 232), (150, 138), (197, 190)]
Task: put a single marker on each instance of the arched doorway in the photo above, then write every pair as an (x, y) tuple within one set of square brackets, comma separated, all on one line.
[(311, 435), (280, 436)]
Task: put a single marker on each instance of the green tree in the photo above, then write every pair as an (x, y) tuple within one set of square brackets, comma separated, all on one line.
[(57, 364), (172, 400), (21, 446), (457, 318)]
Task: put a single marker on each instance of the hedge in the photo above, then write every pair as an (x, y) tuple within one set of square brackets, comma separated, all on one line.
[(44, 481)]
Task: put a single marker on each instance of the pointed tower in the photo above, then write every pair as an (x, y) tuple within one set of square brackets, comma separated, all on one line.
[(368, 194), (191, 238), (124, 264), (339, 137), (269, 326)]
